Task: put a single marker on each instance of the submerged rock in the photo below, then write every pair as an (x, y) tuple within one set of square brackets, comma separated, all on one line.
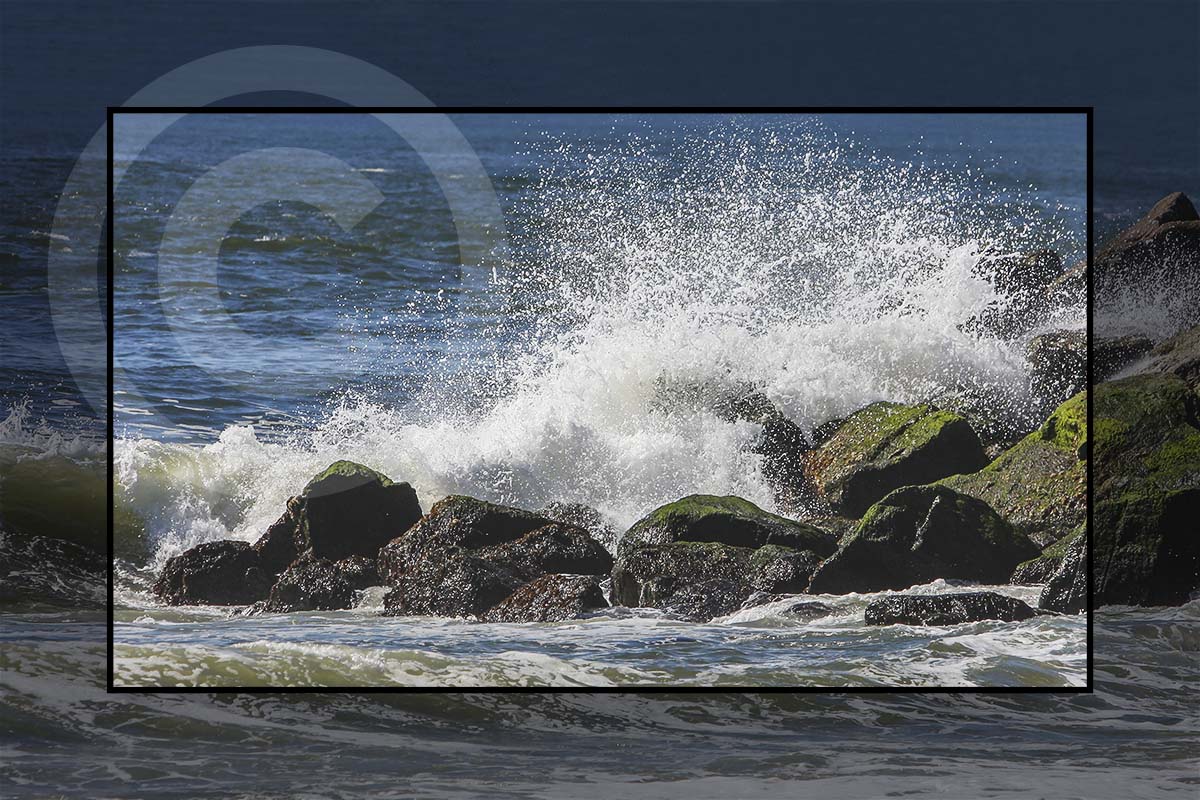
[(727, 520), (1067, 588), (1039, 570), (459, 585), (213, 573), (1147, 490), (887, 445), (550, 598), (311, 584), (918, 534), (1040, 484), (946, 609)]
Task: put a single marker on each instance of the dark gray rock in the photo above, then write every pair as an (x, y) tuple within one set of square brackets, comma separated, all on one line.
[(583, 516), (550, 598), (1179, 356), (696, 580), (310, 584), (1164, 246), (781, 570), (455, 525), (213, 573), (1038, 570), (459, 586), (1067, 589), (946, 609), (552, 548), (918, 534)]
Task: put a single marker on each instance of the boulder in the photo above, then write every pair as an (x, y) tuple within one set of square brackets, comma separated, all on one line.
[(455, 525), (1038, 570), (800, 609), (1067, 588), (781, 570), (348, 510), (551, 548), (887, 445), (1111, 354), (1147, 489), (1179, 356), (359, 572), (918, 534), (1164, 244), (1040, 484), (213, 573), (695, 580), (946, 609), (1057, 365), (310, 584), (351, 510), (727, 520), (460, 585), (586, 517), (550, 598)]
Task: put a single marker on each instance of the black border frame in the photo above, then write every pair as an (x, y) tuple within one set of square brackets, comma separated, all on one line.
[(111, 111)]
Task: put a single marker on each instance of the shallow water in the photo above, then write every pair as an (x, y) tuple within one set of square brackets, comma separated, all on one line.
[(767, 646)]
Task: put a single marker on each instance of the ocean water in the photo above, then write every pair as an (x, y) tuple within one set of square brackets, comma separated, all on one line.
[(203, 460)]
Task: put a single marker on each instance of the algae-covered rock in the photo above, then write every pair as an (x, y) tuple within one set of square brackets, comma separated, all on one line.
[(213, 573), (695, 580), (550, 598), (918, 534), (946, 609), (352, 510), (1039, 570), (1067, 588), (888, 445), (1147, 489), (727, 520), (1040, 484)]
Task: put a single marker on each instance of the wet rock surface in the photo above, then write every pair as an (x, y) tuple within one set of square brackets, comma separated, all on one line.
[(213, 573), (946, 609), (550, 598), (918, 534)]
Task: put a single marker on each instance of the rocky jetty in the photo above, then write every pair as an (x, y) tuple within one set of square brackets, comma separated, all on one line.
[(946, 609)]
